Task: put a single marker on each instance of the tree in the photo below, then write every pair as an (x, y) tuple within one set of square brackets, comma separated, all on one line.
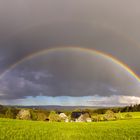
[(119, 115), (9, 113), (41, 116), (109, 115), (33, 115), (1, 107), (24, 114), (53, 117), (96, 117)]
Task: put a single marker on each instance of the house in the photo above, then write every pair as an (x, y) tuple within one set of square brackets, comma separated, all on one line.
[(84, 118), (64, 117), (75, 115), (81, 117)]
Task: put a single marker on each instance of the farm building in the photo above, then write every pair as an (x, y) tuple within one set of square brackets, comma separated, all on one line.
[(81, 117)]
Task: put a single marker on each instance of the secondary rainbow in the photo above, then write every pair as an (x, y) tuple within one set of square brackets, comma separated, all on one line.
[(74, 48)]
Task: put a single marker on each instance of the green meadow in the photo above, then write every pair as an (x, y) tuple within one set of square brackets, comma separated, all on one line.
[(35, 130)]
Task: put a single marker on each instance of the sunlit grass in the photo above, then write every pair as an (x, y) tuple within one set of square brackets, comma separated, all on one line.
[(134, 114), (33, 130), (29, 130)]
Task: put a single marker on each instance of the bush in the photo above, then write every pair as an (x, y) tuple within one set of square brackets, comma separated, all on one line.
[(128, 116), (96, 118)]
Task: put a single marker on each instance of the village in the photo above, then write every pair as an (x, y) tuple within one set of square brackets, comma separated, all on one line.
[(76, 116)]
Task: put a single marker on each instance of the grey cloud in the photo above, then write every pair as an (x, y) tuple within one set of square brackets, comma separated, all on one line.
[(114, 100)]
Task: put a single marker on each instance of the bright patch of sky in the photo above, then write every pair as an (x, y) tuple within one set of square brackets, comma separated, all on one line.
[(76, 101)]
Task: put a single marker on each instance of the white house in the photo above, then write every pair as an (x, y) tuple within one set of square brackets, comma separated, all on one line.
[(64, 117)]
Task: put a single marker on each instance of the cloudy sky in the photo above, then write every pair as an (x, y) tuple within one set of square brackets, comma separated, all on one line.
[(66, 74)]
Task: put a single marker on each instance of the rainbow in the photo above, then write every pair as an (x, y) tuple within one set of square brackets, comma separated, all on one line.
[(88, 50)]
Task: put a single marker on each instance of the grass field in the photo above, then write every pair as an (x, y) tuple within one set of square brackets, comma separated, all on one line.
[(109, 130), (134, 114)]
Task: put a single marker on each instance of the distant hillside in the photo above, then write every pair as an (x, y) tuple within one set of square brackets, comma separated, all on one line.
[(55, 107)]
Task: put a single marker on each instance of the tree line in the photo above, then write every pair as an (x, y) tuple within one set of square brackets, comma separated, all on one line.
[(44, 115)]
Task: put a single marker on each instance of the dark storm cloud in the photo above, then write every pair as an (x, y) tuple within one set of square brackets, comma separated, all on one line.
[(29, 26), (68, 34)]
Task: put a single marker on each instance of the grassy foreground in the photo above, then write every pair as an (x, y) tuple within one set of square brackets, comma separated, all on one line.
[(29, 130)]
